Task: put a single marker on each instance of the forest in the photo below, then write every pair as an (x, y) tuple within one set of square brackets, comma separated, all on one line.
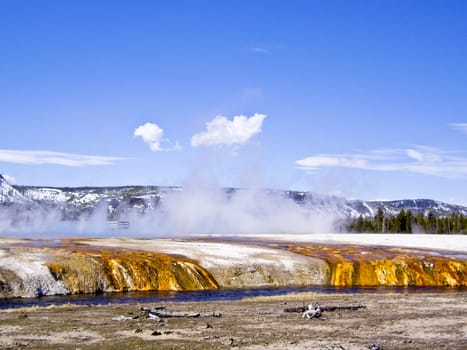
[(407, 222)]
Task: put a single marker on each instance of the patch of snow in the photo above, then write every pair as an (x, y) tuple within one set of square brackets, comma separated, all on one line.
[(211, 254), (456, 243), (8, 194), (89, 198), (46, 194), (365, 204)]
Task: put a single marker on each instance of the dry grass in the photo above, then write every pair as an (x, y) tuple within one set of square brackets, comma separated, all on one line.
[(394, 321)]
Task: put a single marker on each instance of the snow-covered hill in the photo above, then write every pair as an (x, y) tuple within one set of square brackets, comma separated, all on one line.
[(116, 203), (86, 197), (8, 194), (367, 209), (424, 206)]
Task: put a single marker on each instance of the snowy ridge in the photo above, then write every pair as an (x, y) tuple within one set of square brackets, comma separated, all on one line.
[(8, 194), (424, 206), (90, 198), (116, 201)]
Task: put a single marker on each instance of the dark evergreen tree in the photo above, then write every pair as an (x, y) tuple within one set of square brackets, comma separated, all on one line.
[(409, 221), (379, 220), (402, 221), (432, 222), (406, 222)]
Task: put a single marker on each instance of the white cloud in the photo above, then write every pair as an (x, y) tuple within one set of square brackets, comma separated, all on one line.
[(418, 159), (56, 158), (260, 50), (152, 134), (425, 154), (462, 127), (321, 161), (221, 131), (411, 153)]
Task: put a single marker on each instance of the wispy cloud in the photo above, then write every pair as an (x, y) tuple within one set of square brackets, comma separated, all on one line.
[(462, 127), (57, 158), (221, 131), (152, 135), (417, 159), (259, 50)]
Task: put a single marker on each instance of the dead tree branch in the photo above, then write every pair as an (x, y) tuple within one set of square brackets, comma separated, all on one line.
[(315, 310), (162, 312)]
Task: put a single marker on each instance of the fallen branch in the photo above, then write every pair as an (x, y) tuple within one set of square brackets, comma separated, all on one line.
[(162, 312), (325, 308), (315, 310)]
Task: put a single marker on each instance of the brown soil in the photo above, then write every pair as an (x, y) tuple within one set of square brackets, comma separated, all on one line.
[(390, 321)]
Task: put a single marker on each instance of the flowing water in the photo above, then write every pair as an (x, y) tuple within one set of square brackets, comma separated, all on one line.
[(204, 295)]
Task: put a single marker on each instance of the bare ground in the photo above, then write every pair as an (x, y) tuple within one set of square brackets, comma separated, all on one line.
[(390, 321)]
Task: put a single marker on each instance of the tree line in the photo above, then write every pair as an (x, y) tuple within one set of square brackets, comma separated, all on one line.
[(407, 222)]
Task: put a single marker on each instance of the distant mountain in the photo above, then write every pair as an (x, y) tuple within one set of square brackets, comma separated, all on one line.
[(367, 209), (416, 206), (73, 202), (116, 201), (8, 194)]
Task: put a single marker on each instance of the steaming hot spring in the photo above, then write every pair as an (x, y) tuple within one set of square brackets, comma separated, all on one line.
[(30, 268), (205, 238)]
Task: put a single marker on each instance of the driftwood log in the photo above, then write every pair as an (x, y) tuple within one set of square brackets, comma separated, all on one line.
[(161, 311), (315, 310), (325, 308)]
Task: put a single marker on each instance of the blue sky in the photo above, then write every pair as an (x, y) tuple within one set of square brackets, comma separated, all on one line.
[(365, 99)]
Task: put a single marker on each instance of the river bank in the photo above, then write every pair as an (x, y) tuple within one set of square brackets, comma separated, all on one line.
[(389, 321)]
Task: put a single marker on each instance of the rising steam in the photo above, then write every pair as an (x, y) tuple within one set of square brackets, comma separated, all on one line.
[(191, 211), (213, 211)]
